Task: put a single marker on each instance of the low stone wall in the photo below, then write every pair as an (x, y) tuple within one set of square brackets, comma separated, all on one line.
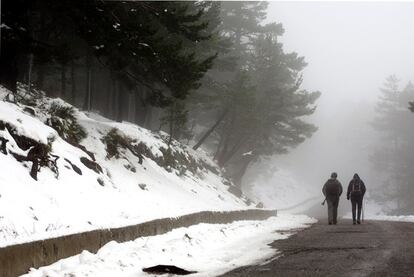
[(16, 260)]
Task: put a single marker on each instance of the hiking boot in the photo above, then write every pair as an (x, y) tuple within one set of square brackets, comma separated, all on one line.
[(330, 223), (354, 222), (359, 222)]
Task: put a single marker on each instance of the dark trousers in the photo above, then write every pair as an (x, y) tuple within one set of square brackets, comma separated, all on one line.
[(356, 201), (332, 209)]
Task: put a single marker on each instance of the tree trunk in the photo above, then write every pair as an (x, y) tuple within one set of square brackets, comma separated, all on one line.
[(41, 71), (87, 101), (223, 152), (210, 131), (63, 81), (138, 119), (73, 82), (29, 74), (131, 107), (219, 146), (193, 125), (114, 106), (120, 110), (236, 147), (108, 98), (148, 117), (238, 176), (171, 123), (8, 67), (89, 89)]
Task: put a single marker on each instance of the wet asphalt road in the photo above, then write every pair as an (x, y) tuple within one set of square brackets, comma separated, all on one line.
[(374, 248)]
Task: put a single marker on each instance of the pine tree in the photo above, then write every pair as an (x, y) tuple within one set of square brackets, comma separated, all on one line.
[(238, 25), (151, 45), (256, 104)]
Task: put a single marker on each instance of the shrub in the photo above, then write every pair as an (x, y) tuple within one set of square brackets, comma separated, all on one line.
[(64, 112), (113, 141), (177, 160), (63, 120)]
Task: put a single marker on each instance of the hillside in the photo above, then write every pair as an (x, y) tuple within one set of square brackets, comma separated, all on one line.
[(94, 173)]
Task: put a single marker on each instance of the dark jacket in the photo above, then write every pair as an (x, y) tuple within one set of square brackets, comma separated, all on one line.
[(356, 188), (332, 188)]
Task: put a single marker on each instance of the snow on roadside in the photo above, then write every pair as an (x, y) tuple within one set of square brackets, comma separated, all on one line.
[(384, 217), (209, 249), (402, 218), (376, 211)]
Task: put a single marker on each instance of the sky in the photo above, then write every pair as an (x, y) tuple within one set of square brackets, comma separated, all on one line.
[(350, 47)]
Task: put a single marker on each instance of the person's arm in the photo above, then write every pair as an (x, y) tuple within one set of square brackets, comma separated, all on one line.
[(349, 190), (363, 188), (340, 188), (324, 189)]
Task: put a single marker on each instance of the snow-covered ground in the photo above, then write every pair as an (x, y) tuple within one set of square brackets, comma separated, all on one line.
[(125, 193), (209, 249), (375, 211), (404, 218)]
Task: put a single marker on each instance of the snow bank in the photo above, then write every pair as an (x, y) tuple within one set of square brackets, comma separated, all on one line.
[(209, 249), (124, 193)]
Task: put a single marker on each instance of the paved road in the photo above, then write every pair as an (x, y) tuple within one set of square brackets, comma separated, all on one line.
[(375, 248)]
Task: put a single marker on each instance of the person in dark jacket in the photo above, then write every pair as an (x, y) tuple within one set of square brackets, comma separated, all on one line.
[(356, 191), (332, 191)]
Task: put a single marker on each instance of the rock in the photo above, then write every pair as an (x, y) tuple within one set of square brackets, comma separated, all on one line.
[(143, 186), (90, 154), (29, 111), (167, 269), (91, 165), (100, 181), (10, 98), (3, 148), (74, 167), (130, 168)]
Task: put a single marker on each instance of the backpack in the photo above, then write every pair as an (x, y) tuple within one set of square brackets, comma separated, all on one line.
[(332, 188), (356, 187)]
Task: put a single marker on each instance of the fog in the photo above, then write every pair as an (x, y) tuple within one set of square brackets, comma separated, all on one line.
[(227, 82), (350, 48)]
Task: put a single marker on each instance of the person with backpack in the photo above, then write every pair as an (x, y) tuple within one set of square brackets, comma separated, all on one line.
[(356, 191), (332, 191)]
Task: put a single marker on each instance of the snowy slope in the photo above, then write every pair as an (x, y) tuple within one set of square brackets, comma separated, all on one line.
[(124, 193)]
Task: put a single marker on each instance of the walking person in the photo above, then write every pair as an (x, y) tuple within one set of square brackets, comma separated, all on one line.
[(356, 191), (332, 191)]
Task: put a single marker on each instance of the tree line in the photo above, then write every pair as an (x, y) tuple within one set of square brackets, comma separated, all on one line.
[(210, 74), (393, 156)]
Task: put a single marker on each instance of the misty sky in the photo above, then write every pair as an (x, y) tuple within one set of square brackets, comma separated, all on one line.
[(350, 48)]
